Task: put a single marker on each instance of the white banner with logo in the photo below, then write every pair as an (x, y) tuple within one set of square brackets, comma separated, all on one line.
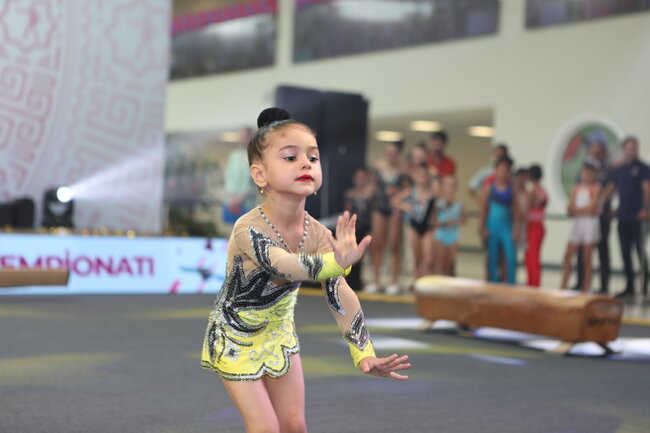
[(100, 265)]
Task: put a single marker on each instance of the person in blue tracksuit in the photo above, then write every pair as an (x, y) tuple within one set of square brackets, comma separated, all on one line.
[(500, 221)]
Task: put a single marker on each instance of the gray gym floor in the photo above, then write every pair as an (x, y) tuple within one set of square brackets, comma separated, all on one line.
[(130, 364)]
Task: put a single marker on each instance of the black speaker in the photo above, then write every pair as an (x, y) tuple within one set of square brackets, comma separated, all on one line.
[(6, 214), (24, 217), (340, 121), (344, 131)]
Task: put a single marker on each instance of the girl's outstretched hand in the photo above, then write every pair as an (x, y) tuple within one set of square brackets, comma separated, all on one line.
[(345, 248), (385, 367)]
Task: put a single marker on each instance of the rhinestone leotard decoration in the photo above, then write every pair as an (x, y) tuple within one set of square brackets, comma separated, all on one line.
[(332, 293), (277, 233), (358, 333)]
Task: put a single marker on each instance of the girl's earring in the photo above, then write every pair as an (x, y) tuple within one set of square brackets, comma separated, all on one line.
[(262, 191), (315, 192)]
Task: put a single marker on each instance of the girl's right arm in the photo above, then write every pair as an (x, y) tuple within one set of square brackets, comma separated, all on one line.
[(571, 210), (463, 217), (596, 196), (275, 260)]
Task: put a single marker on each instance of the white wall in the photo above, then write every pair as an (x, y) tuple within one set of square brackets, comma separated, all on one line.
[(535, 81), (82, 87)]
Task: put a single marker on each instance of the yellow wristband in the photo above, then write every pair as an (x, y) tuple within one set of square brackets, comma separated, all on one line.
[(331, 268), (358, 355)]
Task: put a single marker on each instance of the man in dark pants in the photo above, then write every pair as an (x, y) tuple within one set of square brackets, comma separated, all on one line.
[(632, 182)]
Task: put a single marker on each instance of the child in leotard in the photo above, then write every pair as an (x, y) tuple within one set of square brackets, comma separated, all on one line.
[(386, 223), (359, 201), (250, 339), (417, 203), (535, 234), (499, 221), (585, 232), (449, 215)]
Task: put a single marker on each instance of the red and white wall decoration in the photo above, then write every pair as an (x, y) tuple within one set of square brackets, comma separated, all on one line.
[(82, 92)]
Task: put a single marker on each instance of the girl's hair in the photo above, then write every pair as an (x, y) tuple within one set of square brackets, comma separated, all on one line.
[(535, 172), (504, 160), (521, 171), (270, 120), (440, 135)]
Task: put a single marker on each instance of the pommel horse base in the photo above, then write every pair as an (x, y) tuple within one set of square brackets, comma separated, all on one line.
[(33, 277), (568, 316)]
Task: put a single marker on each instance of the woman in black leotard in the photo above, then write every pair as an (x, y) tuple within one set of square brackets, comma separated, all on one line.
[(418, 204), (386, 223)]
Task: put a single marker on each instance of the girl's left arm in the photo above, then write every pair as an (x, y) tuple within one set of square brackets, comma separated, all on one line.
[(463, 215), (347, 312)]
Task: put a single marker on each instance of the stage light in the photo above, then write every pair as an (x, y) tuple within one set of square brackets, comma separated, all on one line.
[(64, 194), (58, 206)]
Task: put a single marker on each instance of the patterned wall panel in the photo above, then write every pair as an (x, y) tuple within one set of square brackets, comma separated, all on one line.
[(82, 88)]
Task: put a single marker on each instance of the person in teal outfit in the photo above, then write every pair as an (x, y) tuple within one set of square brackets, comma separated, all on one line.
[(449, 215), (500, 221)]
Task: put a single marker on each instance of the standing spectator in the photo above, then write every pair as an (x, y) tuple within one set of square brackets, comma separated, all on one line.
[(536, 231), (449, 215), (358, 201), (476, 182), (484, 176), (632, 182), (499, 221), (418, 203), (419, 155), (437, 158), (597, 151), (386, 221), (585, 233), (240, 191)]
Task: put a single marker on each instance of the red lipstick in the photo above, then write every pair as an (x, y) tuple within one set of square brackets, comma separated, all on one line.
[(305, 178)]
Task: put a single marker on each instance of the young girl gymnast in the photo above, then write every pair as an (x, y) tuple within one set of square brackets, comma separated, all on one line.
[(585, 233), (250, 339)]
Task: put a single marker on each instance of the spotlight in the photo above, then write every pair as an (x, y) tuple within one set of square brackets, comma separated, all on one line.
[(64, 194), (57, 207)]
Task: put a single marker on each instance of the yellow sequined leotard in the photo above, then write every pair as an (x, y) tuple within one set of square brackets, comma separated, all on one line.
[(250, 330)]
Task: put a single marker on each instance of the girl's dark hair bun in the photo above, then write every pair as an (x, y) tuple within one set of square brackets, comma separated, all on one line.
[(271, 115)]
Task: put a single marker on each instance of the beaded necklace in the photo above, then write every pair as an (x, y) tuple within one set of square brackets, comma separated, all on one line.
[(277, 233)]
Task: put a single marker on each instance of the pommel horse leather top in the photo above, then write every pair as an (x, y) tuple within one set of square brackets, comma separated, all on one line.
[(33, 277), (568, 316)]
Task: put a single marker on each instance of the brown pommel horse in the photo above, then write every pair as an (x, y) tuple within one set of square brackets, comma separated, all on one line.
[(568, 316), (33, 277)]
